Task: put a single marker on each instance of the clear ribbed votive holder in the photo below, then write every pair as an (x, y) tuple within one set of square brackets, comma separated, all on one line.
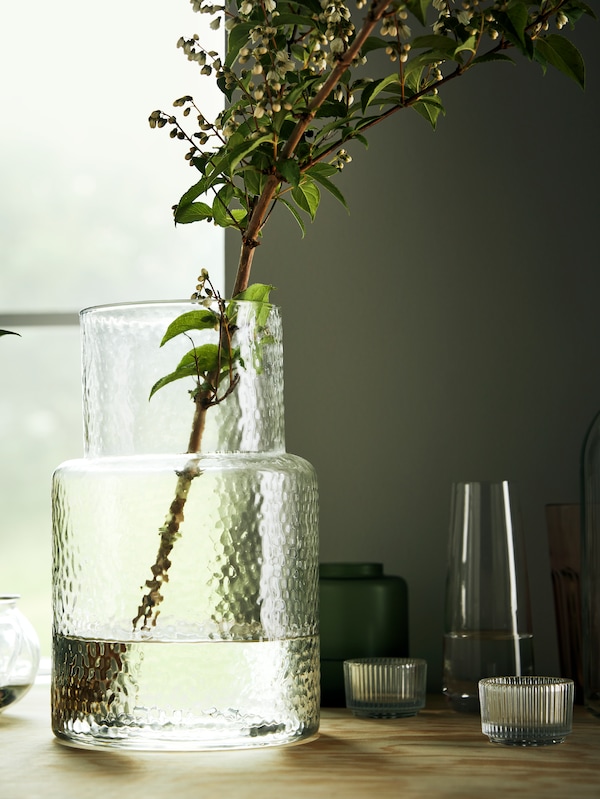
[(526, 711), (385, 688)]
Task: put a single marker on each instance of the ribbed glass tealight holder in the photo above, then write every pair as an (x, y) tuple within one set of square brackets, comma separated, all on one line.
[(526, 711), (385, 688)]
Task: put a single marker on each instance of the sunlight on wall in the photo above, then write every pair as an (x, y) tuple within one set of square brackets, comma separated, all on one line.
[(87, 186), (86, 190)]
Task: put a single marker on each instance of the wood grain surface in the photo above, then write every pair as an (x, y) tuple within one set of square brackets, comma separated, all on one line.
[(438, 753)]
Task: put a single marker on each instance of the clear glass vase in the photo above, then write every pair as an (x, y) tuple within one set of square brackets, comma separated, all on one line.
[(488, 630), (210, 641), (19, 652)]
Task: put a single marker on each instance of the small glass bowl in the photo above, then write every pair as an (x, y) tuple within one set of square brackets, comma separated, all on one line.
[(19, 652), (526, 711), (385, 688)]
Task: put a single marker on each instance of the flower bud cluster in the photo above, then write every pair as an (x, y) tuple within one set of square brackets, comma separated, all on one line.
[(200, 56), (202, 7), (341, 158), (340, 27), (284, 61), (395, 26)]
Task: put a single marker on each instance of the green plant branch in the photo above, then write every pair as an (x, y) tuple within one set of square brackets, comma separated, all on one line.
[(148, 609), (257, 218), (273, 156), (205, 396)]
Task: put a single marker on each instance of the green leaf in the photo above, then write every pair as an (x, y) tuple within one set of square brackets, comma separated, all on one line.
[(576, 9), (225, 161), (519, 16), (365, 122), (469, 44), (562, 54), (373, 43), (193, 212), (373, 89), (8, 333), (419, 9), (295, 214), (256, 292), (313, 6), (236, 39), (196, 363), (232, 156), (326, 170), (192, 320), (359, 137), (487, 57), (420, 62), (254, 180), (513, 23), (220, 206), (293, 19), (239, 216), (307, 196), (435, 42), (327, 184), (323, 135), (201, 187), (429, 107), (290, 171)]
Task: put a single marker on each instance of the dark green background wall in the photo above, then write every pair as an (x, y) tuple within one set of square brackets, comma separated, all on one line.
[(448, 329)]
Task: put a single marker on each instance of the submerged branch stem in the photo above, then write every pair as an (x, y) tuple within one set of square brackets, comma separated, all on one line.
[(206, 396), (169, 533)]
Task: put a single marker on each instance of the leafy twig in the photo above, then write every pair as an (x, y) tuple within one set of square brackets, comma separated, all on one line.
[(209, 367), (214, 369), (294, 96)]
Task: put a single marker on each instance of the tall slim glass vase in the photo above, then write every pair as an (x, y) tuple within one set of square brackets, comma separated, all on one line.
[(488, 629)]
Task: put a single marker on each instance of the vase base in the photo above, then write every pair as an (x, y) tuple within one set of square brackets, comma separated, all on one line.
[(184, 695), (249, 739)]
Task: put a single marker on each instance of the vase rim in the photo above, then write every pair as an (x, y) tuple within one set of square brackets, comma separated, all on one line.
[(120, 306)]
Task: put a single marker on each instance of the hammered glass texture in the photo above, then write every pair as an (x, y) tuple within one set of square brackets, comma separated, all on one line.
[(232, 657), (385, 687), (122, 359), (526, 711), (244, 567)]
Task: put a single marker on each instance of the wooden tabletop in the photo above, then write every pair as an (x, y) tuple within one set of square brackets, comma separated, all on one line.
[(438, 753)]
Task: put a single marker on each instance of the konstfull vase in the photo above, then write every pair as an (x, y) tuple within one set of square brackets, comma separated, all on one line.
[(230, 656), (487, 626)]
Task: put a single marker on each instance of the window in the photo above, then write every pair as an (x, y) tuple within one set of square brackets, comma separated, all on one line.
[(85, 197)]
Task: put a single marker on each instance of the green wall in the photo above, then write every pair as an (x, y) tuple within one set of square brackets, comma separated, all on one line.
[(448, 328)]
